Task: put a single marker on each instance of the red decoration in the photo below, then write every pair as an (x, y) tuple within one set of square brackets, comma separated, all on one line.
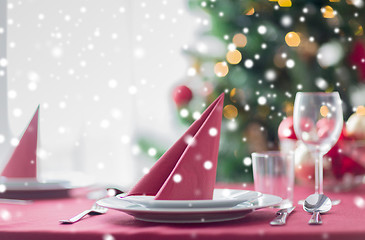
[(324, 126), (342, 159), (182, 95), (357, 57), (286, 129)]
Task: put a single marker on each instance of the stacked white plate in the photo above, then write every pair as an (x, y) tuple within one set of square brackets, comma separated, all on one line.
[(30, 188), (227, 204)]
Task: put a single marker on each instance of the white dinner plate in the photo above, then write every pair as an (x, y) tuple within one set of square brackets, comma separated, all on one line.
[(30, 184), (221, 198), (189, 215), (31, 188)]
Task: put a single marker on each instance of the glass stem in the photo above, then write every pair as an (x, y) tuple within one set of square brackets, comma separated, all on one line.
[(318, 171)]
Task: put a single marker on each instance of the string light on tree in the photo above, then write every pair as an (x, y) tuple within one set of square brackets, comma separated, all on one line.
[(221, 69), (292, 39), (234, 57), (240, 40), (328, 12)]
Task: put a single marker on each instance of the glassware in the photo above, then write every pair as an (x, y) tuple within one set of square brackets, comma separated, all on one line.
[(318, 122), (273, 173)]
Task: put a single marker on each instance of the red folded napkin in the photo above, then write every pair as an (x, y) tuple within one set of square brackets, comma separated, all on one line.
[(23, 161), (187, 171)]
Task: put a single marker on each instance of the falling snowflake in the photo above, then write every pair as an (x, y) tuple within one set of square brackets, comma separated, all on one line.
[(177, 178), (208, 165), (190, 140), (359, 202), (290, 63), (184, 113), (108, 237), (152, 152), (248, 63), (5, 215), (14, 142), (262, 29), (213, 132), (262, 100), (2, 188), (247, 161)]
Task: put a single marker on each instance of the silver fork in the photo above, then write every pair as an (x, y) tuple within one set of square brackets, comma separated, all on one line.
[(94, 210)]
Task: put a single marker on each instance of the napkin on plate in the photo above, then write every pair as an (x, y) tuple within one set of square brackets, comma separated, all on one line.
[(23, 161), (187, 171)]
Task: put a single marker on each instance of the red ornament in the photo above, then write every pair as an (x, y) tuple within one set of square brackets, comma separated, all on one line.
[(286, 129), (182, 95), (357, 58), (342, 157)]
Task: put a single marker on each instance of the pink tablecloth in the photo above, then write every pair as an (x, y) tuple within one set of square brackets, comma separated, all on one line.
[(39, 221)]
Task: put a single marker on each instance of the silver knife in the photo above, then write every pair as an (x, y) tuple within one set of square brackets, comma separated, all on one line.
[(281, 216)]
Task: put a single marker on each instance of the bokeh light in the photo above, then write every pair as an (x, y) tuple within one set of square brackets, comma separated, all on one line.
[(240, 40), (324, 111), (292, 39), (230, 112), (221, 69), (234, 57), (284, 3), (328, 12)]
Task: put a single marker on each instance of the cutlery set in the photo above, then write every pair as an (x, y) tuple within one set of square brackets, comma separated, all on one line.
[(315, 204)]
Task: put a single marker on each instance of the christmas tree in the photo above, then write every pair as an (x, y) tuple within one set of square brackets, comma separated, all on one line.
[(261, 53)]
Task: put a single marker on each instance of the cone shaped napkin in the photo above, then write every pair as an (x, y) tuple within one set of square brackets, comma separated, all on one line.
[(23, 162), (187, 170)]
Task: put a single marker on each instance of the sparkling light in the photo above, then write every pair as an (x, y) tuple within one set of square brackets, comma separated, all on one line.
[(328, 12), (262, 100), (213, 132), (190, 140), (290, 63), (112, 83), (292, 39), (230, 111), (5, 215), (359, 202), (286, 21), (14, 142), (132, 90), (240, 40), (247, 161), (152, 152), (234, 57), (3, 62), (2, 188), (177, 178), (270, 75), (184, 113), (221, 69), (321, 83), (284, 3), (108, 237), (262, 29), (248, 63), (208, 165)]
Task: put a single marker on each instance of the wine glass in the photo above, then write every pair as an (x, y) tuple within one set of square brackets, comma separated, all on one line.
[(318, 123)]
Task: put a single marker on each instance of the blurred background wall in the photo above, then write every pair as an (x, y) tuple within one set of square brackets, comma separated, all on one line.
[(102, 73)]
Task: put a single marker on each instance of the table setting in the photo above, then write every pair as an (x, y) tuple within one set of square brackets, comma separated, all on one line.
[(272, 137), (180, 191)]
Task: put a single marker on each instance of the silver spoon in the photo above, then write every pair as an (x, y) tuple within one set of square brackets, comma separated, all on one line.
[(316, 204), (335, 202)]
